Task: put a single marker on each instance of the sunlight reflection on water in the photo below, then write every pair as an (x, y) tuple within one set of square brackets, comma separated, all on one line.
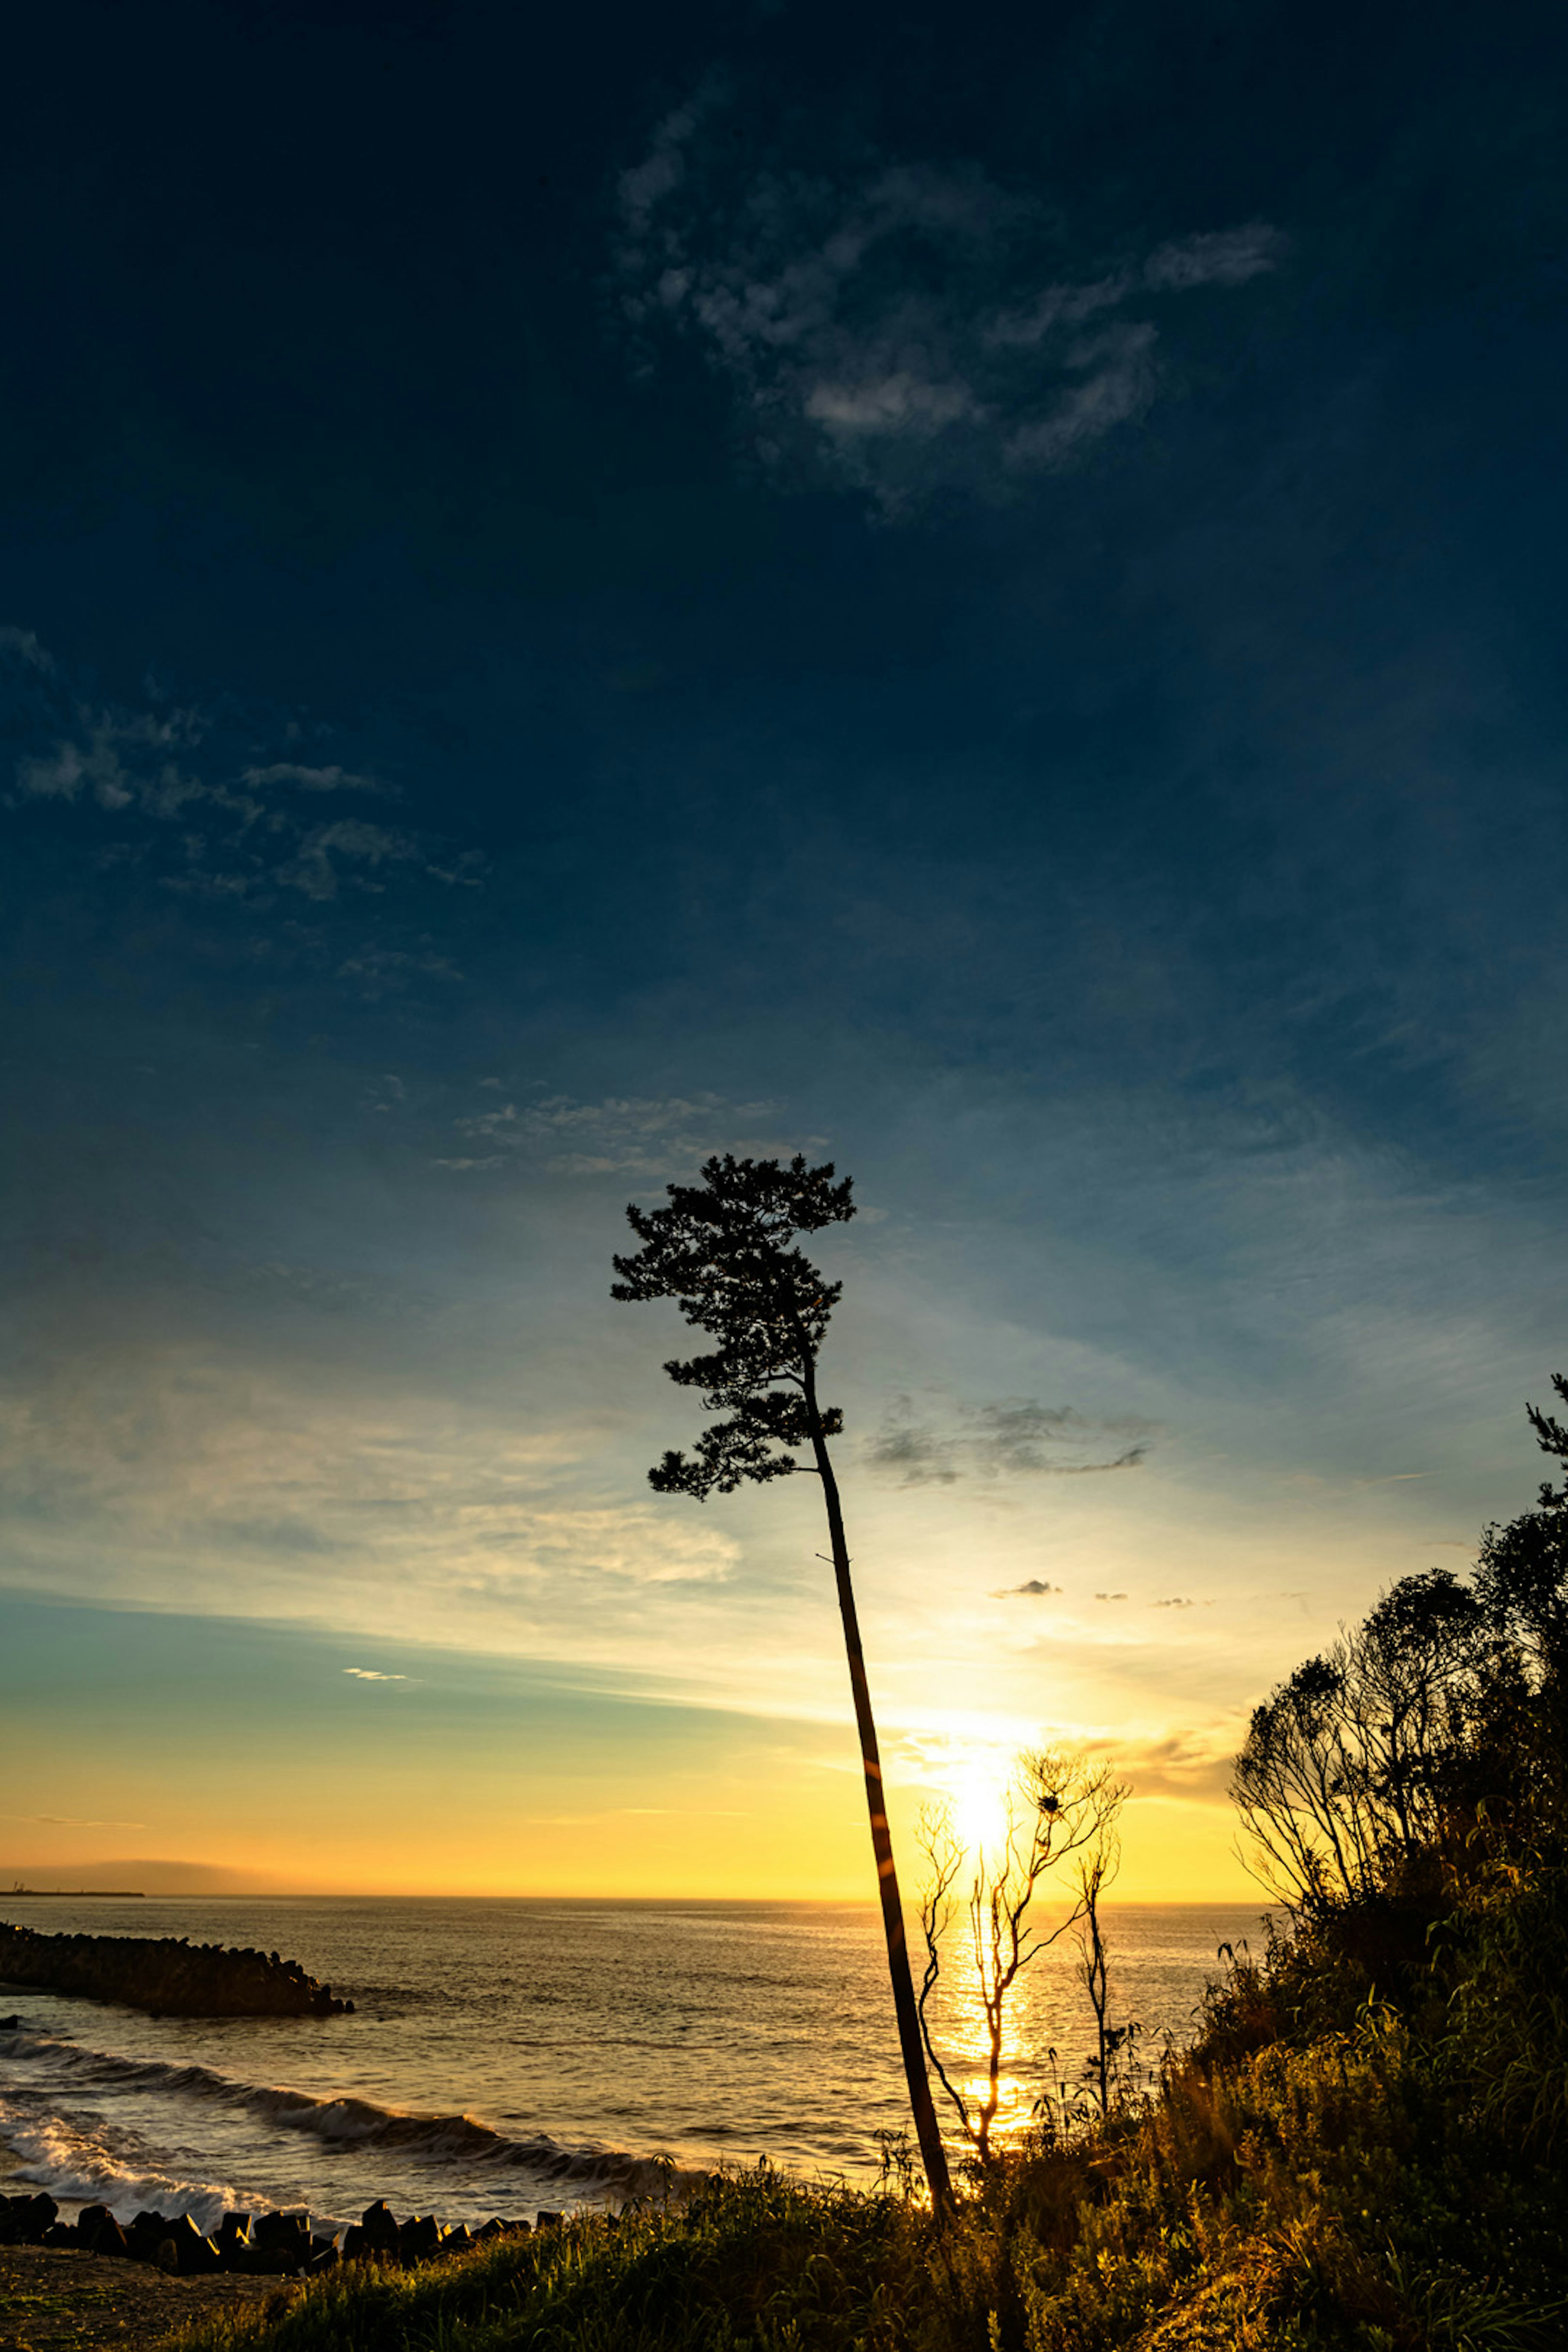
[(716, 2032)]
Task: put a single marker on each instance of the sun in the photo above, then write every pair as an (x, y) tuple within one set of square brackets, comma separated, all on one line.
[(980, 1805)]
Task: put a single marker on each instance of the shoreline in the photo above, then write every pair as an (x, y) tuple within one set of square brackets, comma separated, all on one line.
[(422, 2100), (274, 2242), (62, 2300)]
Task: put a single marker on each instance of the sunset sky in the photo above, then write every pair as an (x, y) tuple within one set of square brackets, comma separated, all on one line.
[(977, 594)]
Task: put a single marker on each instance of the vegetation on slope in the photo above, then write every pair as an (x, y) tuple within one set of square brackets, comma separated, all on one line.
[(1366, 2147)]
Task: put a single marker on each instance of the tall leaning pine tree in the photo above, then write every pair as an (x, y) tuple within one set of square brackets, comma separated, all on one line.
[(725, 1250)]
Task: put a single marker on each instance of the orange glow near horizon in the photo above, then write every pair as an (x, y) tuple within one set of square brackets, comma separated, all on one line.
[(253, 1757), (1171, 1853)]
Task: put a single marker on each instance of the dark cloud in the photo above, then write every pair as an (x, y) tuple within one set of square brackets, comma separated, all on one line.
[(1194, 1764), (1013, 1437), (1034, 1589), (916, 1456)]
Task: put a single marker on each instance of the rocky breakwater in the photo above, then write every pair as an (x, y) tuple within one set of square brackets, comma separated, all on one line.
[(167, 1974), (266, 2245)]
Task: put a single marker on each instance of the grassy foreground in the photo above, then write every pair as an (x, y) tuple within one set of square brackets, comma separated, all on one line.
[(1325, 2170)]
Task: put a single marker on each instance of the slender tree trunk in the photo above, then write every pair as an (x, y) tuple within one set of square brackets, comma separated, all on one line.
[(933, 2155)]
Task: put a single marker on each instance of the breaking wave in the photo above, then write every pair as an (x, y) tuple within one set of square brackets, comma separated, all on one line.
[(458, 2141), (81, 2159)]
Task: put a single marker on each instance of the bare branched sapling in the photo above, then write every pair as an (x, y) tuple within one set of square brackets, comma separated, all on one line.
[(1109, 2070), (1055, 1808)]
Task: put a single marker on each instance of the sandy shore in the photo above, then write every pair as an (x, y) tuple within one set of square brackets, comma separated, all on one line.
[(56, 2301)]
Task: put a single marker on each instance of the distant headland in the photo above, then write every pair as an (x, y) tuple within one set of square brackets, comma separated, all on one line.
[(91, 1894)]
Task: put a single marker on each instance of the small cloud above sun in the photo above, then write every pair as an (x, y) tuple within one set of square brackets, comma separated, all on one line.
[(369, 1674)]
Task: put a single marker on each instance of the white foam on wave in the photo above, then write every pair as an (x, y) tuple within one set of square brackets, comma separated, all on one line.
[(82, 2161), (455, 2141)]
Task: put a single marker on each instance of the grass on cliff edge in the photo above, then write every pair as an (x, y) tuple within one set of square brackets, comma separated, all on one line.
[(1290, 2189)]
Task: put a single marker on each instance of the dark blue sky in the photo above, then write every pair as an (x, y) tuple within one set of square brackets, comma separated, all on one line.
[(979, 590)]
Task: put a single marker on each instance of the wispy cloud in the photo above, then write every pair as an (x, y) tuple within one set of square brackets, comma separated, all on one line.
[(381, 970), (70, 1822), (1228, 256), (910, 333), (23, 643), (1034, 1589), (371, 1674), (127, 760), (329, 853), (621, 1135), (1014, 1437), (391, 1513), (332, 779), (180, 801), (1194, 1764)]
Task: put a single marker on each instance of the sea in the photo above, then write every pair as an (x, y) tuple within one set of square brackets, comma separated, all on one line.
[(506, 2056)]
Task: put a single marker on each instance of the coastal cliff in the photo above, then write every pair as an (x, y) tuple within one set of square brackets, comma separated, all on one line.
[(164, 1974)]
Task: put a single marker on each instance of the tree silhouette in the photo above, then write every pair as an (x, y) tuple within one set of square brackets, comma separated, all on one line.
[(1551, 1437), (725, 1250), (1446, 1707), (1056, 1807)]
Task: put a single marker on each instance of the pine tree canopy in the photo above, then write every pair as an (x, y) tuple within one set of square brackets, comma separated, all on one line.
[(725, 1250), (1553, 1437)]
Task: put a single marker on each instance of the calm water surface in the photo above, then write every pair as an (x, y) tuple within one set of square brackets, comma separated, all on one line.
[(506, 2055)]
